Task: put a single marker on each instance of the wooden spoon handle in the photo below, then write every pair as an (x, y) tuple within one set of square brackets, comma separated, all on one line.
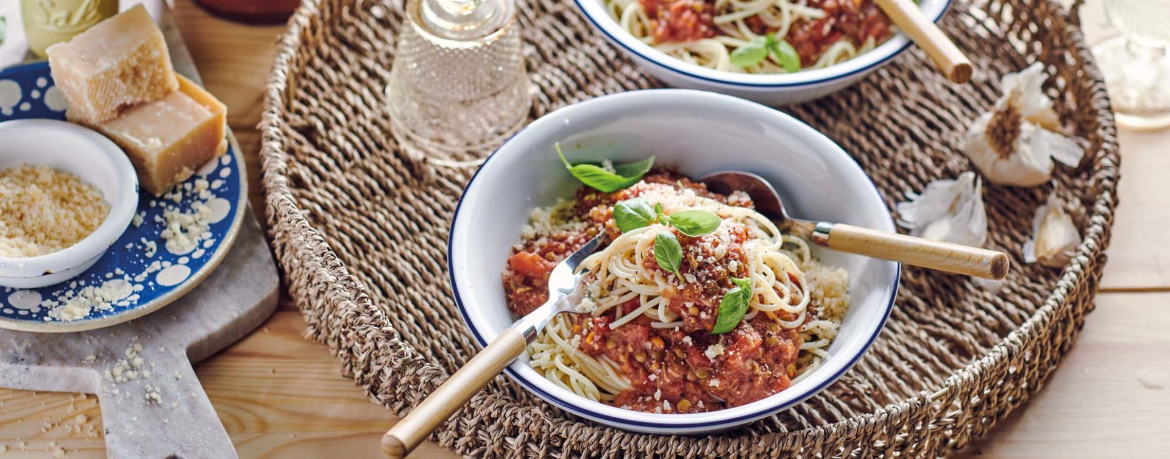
[(943, 256), (908, 17), (409, 432)]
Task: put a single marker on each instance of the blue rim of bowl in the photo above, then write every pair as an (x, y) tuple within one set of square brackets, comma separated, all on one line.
[(583, 411), (682, 69)]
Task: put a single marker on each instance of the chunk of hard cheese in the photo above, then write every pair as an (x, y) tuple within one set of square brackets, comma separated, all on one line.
[(168, 139), (116, 64)]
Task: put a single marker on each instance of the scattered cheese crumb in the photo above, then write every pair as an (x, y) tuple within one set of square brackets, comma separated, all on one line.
[(77, 304), (714, 350), (713, 383)]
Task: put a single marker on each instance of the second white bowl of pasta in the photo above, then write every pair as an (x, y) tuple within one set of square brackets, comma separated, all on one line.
[(702, 316), (775, 52)]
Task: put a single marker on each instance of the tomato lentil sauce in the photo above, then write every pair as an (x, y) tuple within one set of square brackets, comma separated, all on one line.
[(684, 369), (676, 21)]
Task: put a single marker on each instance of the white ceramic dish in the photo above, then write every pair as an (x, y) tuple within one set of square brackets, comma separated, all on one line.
[(697, 132), (775, 90), (93, 158)]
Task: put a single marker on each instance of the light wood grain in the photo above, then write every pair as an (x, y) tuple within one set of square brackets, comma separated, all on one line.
[(1109, 399), (952, 258), (1139, 255), (401, 439), (926, 35), (281, 396)]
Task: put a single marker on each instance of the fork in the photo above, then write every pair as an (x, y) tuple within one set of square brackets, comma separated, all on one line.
[(564, 296)]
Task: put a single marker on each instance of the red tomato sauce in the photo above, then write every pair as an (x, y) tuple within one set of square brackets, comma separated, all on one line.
[(682, 369)]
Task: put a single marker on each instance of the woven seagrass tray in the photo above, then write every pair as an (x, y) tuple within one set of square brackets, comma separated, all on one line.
[(360, 227)]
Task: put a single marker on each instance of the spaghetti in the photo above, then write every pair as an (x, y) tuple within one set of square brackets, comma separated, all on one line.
[(710, 32), (648, 342)]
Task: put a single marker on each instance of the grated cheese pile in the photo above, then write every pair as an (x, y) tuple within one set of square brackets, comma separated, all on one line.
[(43, 210)]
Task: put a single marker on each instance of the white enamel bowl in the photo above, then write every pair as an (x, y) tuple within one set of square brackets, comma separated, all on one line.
[(698, 132), (775, 90), (91, 157)]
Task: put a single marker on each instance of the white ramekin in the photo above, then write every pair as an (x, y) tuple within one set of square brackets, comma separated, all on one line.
[(93, 158)]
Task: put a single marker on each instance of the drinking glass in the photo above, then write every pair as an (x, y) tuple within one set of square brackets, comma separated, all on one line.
[(1135, 65), (458, 83)]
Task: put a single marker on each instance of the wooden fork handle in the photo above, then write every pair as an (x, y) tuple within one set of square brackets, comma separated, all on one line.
[(409, 432), (908, 17), (943, 256)]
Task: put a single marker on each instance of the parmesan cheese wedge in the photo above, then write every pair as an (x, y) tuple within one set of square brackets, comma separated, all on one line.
[(169, 138), (121, 62)]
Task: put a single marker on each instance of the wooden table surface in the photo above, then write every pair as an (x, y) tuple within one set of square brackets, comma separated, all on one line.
[(281, 396)]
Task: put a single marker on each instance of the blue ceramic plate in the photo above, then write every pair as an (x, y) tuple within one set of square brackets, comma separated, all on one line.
[(139, 274)]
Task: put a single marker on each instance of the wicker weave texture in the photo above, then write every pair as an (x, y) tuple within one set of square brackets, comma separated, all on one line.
[(359, 228)]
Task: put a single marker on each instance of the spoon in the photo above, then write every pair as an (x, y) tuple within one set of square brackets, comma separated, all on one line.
[(909, 18), (563, 296), (943, 256)]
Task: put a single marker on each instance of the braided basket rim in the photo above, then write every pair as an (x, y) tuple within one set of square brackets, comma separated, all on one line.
[(289, 226)]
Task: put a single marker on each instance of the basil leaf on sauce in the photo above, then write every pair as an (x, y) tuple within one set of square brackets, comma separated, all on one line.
[(695, 222), (632, 214), (668, 252), (733, 306), (752, 53), (606, 181), (784, 53), (662, 218)]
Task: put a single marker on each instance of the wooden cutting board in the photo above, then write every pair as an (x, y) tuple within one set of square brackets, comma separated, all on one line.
[(161, 412)]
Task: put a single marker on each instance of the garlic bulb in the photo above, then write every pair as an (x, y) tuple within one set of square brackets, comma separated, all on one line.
[(948, 211), (1015, 143), (1055, 236)]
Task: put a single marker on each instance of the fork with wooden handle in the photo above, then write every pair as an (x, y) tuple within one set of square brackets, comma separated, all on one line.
[(563, 296)]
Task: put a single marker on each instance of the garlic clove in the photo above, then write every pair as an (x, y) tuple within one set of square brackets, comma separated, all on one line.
[(948, 210), (1055, 237), (1016, 142)]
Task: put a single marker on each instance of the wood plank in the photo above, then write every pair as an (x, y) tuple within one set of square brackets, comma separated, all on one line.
[(1109, 398), (1139, 257)]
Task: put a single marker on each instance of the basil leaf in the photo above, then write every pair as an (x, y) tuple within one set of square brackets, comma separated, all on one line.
[(750, 54), (668, 252), (632, 214), (606, 181), (785, 54), (636, 170), (695, 223), (733, 306)]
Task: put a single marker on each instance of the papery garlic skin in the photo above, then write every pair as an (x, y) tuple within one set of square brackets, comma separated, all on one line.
[(1055, 236), (948, 211), (1016, 142)]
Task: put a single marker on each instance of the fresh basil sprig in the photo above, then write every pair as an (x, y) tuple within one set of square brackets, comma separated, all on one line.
[(734, 306), (761, 47), (605, 181), (632, 214), (695, 222), (668, 252), (635, 213)]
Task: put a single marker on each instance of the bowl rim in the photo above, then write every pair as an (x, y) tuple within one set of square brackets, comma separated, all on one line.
[(763, 407), (117, 220), (861, 64)]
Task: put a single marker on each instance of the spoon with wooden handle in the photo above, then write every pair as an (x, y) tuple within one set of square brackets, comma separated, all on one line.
[(943, 256), (909, 18)]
